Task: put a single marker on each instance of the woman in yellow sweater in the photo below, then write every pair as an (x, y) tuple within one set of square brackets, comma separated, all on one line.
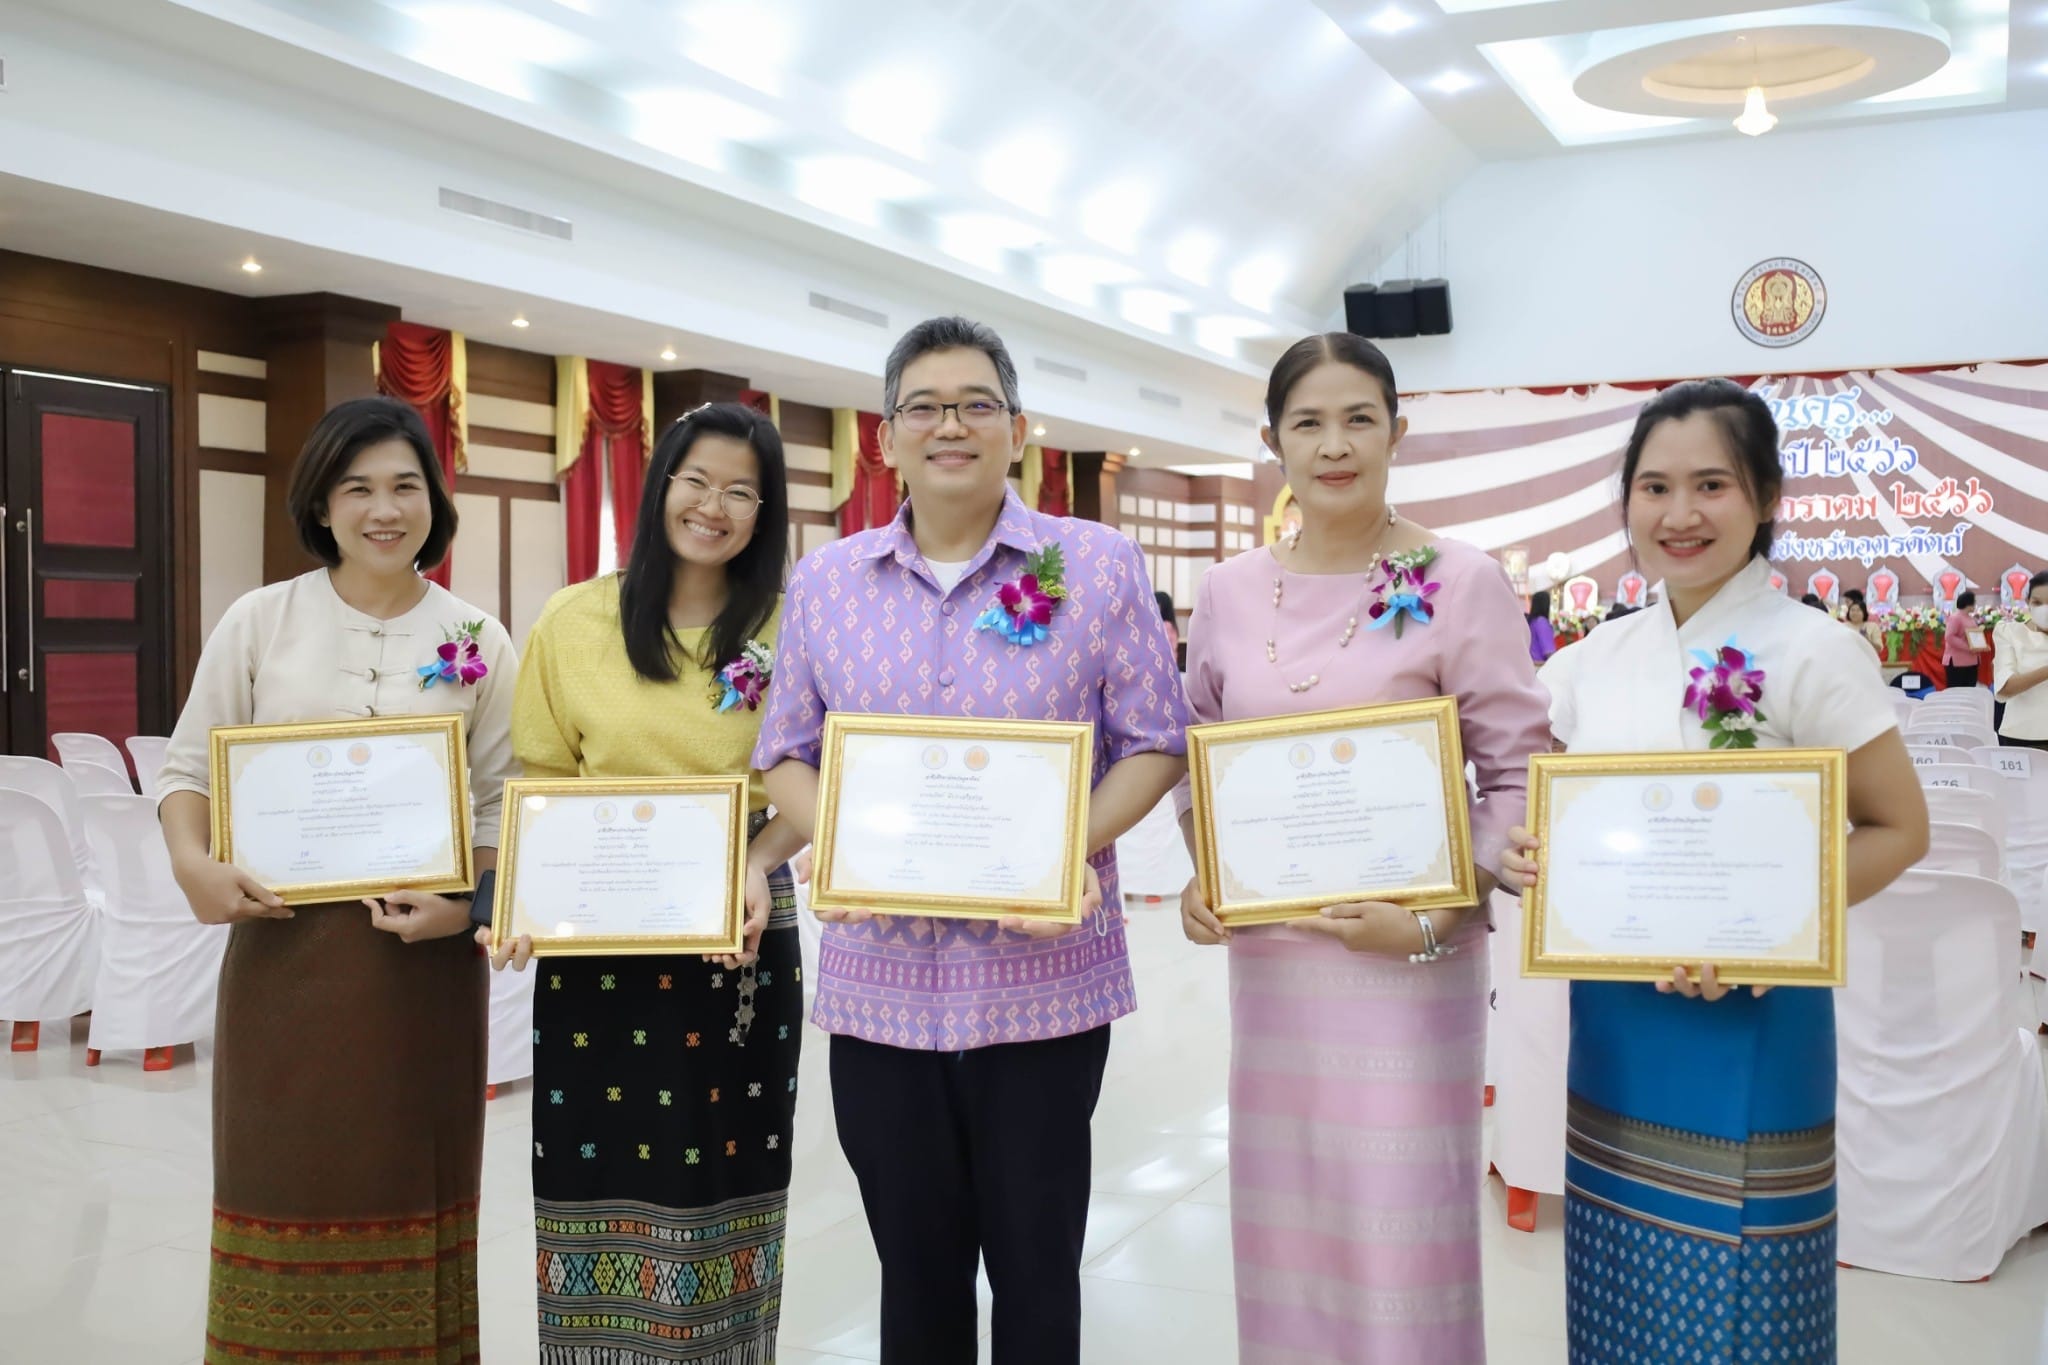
[(665, 1086)]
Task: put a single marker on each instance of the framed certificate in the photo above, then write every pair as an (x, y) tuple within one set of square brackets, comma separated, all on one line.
[(1977, 642), (336, 810), (1652, 861), (625, 865), (1293, 813), (966, 819)]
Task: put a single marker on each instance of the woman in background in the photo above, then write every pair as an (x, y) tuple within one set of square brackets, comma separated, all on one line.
[(1957, 657), (348, 1070), (1699, 1148), (664, 1098), (2019, 665), (1542, 639)]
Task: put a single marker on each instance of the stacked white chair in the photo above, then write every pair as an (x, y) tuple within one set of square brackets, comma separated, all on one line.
[(2026, 855), (1968, 806), (1528, 1036), (1952, 727), (148, 753), (1152, 862), (97, 779), (159, 967), (1960, 847), (49, 931), (1941, 1119), (58, 790), (74, 747)]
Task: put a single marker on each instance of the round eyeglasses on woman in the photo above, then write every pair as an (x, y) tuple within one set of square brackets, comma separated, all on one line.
[(739, 503), (927, 416)]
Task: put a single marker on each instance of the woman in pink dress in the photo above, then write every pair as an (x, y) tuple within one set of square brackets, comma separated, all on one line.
[(1356, 1069)]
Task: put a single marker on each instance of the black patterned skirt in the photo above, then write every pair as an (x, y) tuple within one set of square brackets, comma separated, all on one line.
[(664, 1109)]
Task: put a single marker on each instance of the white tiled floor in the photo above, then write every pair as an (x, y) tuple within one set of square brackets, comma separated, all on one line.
[(104, 1186)]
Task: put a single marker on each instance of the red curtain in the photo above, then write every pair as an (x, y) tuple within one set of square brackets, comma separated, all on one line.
[(1053, 497), (616, 417), (582, 494), (757, 399), (874, 500), (417, 364)]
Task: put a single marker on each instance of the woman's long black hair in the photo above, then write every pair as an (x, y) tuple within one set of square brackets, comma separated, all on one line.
[(753, 576)]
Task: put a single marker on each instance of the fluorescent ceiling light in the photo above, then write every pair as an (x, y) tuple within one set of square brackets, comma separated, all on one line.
[(1153, 309), (854, 186), (696, 125), (1077, 276), (985, 239), (1453, 82), (1192, 256), (1026, 171), (1256, 283), (748, 41), (894, 109), (1221, 332), (1391, 20), (1115, 214)]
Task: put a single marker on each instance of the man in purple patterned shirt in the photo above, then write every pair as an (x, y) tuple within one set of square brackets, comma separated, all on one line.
[(967, 1055)]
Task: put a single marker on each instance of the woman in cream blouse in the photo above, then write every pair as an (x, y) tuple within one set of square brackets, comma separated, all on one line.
[(2019, 665), (349, 1054)]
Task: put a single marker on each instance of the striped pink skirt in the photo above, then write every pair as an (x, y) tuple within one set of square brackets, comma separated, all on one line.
[(1355, 1089)]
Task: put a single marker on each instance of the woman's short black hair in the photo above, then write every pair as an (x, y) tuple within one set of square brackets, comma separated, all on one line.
[(1346, 348), (1165, 601), (2038, 581), (1966, 600), (753, 576), (1752, 433), (1539, 604), (345, 431), (1855, 603), (1812, 599)]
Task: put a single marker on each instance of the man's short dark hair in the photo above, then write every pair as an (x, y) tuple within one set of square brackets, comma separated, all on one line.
[(949, 334)]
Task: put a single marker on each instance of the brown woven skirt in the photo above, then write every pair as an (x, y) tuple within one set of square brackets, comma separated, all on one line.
[(348, 1122)]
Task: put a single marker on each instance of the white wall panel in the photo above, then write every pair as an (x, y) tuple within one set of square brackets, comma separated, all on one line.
[(231, 423), (230, 541), (476, 554), (538, 568)]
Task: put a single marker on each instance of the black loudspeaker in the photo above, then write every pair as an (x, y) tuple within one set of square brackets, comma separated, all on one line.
[(1361, 310), (1396, 309), (1433, 307)]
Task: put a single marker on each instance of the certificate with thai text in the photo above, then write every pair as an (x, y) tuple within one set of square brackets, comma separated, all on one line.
[(336, 810), (972, 819), (1296, 812), (1652, 861), (623, 865)]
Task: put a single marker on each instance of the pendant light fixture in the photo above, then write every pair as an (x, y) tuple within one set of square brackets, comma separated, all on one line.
[(1756, 119)]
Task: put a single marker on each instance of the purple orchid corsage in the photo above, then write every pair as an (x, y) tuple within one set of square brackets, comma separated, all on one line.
[(1724, 693), (744, 681), (458, 660), (1024, 607), (1405, 590)]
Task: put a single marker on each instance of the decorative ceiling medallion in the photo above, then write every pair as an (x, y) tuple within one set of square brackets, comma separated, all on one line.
[(1780, 302)]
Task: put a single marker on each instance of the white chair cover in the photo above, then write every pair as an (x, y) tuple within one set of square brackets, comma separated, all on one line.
[(1151, 857), (1958, 845), (1968, 776), (56, 789), (97, 779), (1968, 734), (148, 753), (75, 746), (511, 1038), (49, 931), (1923, 755), (159, 968), (2026, 831), (1941, 1123), (1531, 1034)]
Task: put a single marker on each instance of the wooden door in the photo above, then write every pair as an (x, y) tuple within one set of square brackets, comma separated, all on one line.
[(85, 605)]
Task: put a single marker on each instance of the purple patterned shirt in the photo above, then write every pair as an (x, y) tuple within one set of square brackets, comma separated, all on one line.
[(865, 628)]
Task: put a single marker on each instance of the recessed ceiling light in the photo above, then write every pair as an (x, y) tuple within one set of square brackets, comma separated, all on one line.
[(521, 321), (1135, 452), (1038, 430), (1453, 82), (1026, 170), (1391, 20), (252, 266), (668, 353)]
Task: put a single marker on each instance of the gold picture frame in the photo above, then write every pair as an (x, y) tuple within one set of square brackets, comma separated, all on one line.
[(730, 794), (1076, 740), (1208, 745), (1828, 768), (230, 748)]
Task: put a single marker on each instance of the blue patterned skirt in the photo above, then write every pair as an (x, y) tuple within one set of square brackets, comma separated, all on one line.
[(1700, 1178)]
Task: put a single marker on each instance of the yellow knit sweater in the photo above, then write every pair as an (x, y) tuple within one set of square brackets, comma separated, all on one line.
[(581, 710)]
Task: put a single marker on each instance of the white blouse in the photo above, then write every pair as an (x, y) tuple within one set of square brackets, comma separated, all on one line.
[(1622, 688), (2021, 649), (294, 651)]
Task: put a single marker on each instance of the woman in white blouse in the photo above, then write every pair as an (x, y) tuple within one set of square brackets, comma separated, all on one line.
[(349, 1052), (2019, 665)]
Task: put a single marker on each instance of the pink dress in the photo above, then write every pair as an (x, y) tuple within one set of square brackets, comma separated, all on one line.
[(1356, 1079)]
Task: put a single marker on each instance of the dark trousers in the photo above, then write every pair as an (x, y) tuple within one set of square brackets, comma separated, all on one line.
[(1962, 675), (967, 1157)]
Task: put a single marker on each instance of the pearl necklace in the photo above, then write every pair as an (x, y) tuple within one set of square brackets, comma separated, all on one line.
[(1350, 626)]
